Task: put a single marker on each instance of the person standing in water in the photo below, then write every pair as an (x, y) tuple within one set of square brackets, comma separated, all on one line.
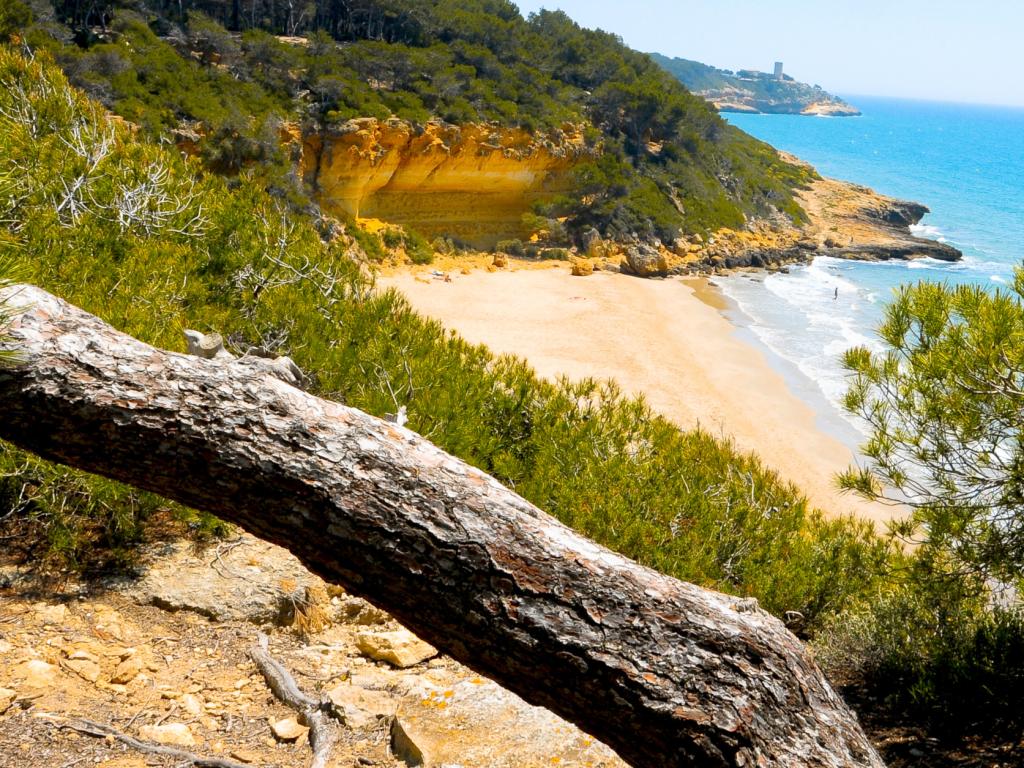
[(835, 296)]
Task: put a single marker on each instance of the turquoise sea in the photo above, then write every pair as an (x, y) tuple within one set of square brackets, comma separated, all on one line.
[(965, 162)]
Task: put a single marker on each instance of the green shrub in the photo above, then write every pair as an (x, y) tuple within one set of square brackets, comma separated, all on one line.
[(442, 245), (370, 243), (417, 248), (511, 247), (561, 254), (934, 651), (392, 238)]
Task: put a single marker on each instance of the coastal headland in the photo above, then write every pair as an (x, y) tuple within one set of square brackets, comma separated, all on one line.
[(754, 92), (844, 220)]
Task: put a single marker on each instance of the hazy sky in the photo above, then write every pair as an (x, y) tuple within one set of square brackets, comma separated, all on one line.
[(968, 50)]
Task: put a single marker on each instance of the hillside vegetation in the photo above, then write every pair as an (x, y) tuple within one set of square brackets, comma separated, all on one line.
[(668, 164), (140, 236), (110, 215)]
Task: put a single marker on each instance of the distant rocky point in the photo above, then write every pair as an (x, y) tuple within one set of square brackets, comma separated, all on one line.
[(756, 92)]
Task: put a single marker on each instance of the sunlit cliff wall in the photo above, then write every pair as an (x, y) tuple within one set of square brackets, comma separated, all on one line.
[(472, 182)]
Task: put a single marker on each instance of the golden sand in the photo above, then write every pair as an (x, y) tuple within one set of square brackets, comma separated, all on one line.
[(656, 337)]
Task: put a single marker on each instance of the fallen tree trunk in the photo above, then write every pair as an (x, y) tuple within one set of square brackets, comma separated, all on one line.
[(666, 673)]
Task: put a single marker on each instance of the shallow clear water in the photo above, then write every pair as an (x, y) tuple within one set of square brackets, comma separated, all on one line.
[(965, 162)]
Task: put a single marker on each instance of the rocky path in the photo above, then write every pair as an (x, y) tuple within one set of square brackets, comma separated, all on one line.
[(164, 659)]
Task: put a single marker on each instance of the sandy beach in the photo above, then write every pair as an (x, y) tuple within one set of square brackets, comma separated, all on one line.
[(657, 337)]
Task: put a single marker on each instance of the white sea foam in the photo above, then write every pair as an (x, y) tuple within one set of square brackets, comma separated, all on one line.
[(809, 318), (927, 230)]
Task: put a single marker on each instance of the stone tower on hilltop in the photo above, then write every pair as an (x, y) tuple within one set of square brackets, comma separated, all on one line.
[(778, 70)]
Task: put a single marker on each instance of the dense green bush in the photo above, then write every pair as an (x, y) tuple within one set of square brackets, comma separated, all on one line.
[(511, 247), (928, 649), (194, 250), (559, 254), (417, 248)]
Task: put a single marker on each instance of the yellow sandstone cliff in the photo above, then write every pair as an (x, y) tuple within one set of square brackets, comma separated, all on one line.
[(472, 182)]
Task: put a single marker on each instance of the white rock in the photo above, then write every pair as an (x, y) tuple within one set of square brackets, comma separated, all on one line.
[(362, 708), (50, 614), (191, 704), (177, 734), (477, 724), (288, 729), (400, 648), (36, 673)]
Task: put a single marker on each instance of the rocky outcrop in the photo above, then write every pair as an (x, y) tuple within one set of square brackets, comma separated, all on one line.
[(473, 182), (645, 261), (242, 580), (845, 221), (849, 221)]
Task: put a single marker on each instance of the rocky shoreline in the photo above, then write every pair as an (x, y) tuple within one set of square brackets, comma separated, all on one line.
[(845, 221)]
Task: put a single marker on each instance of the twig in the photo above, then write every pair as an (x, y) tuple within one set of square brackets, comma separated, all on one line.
[(91, 728), (316, 712), (135, 717), (325, 678)]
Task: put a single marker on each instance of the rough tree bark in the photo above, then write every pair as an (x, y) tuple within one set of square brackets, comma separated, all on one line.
[(666, 673)]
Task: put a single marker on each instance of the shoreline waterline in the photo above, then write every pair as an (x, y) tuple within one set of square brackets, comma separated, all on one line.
[(670, 340), (830, 419)]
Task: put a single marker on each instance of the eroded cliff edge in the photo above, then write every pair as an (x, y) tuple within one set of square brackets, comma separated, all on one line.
[(471, 182)]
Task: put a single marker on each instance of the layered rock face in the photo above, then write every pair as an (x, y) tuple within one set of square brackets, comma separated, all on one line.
[(472, 182)]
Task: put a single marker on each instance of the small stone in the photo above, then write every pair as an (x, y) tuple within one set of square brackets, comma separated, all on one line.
[(87, 669), (191, 704), (177, 734), (50, 614), (500, 260), (80, 654), (36, 673), (244, 755), (127, 670), (287, 729), (400, 648), (109, 624), (7, 697)]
